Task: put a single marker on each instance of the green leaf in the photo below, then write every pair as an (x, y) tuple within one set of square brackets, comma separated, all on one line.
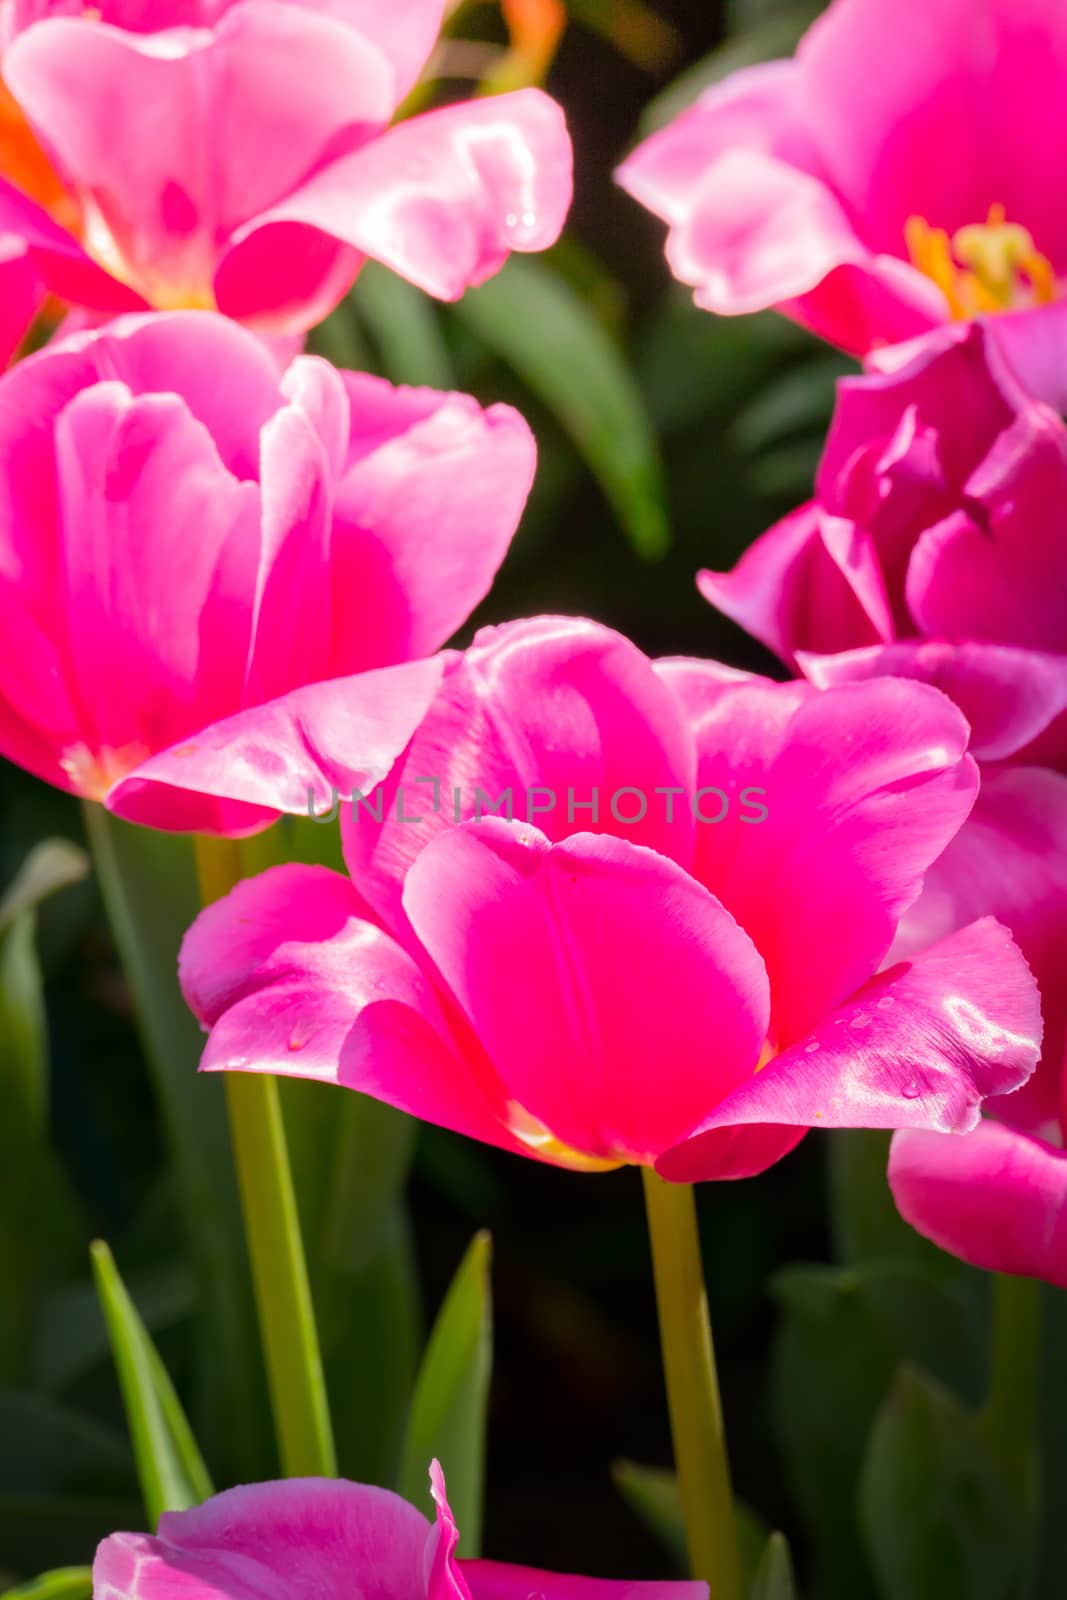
[(652, 1494), (65, 1583), (70, 1333), (939, 1517), (350, 1157), (795, 404), (39, 1213), (403, 323), (148, 881), (536, 322), (867, 1225), (774, 1576), (449, 1408), (842, 1335), (169, 1465), (769, 39)]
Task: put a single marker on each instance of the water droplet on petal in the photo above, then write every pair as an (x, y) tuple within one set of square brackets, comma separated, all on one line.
[(885, 1003), (912, 1089), (810, 1049), (300, 1035), (862, 1019)]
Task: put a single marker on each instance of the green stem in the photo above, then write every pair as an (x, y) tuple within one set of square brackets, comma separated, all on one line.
[(147, 883), (272, 1228), (692, 1386), (1011, 1415)]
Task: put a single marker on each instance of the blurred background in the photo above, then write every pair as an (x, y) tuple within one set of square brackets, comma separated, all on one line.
[(668, 441)]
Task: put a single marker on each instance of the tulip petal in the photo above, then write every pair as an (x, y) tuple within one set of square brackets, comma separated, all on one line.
[(920, 1047), (444, 198), (1015, 700), (295, 754), (179, 138), (404, 31), (1009, 860), (291, 1540), (21, 293), (134, 475), (755, 223), (997, 571), (498, 1580), (427, 503), (996, 1198), (886, 89), (821, 881), (293, 980), (549, 717), (64, 266), (614, 995)]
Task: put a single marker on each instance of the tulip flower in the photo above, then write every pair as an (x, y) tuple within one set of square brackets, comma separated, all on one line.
[(935, 549), (240, 157), (669, 956), (897, 173), (186, 535), (333, 1539)]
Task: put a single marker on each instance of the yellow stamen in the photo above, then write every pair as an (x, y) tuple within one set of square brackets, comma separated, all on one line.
[(94, 773), (533, 1132), (985, 267)]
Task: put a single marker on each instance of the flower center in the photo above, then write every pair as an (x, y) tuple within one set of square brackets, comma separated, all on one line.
[(533, 1132), (93, 773), (986, 267)]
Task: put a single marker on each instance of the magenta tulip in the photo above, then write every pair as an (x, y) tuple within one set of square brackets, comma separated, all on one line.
[(329, 1539), (239, 156), (898, 172), (936, 548), (669, 955), (185, 536)]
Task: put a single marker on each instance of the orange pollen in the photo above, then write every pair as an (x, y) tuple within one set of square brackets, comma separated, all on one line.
[(986, 267)]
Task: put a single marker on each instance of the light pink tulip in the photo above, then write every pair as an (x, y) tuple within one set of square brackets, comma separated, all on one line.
[(899, 171), (636, 984), (329, 1539), (936, 548), (238, 155), (184, 535)]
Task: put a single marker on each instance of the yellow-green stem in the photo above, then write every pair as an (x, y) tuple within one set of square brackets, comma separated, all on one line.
[(692, 1387), (272, 1230)]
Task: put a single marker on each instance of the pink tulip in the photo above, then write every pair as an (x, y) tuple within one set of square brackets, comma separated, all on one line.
[(674, 961), (936, 548), (239, 156), (329, 1539), (20, 295), (185, 536), (899, 171)]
